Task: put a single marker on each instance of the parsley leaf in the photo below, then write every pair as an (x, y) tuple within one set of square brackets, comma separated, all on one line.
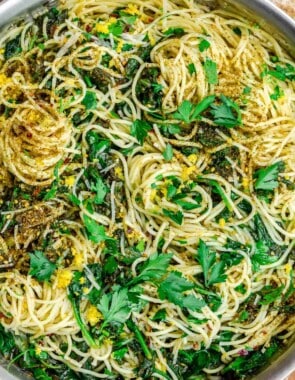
[(101, 191), (202, 106), (177, 216), (154, 268), (193, 303), (140, 129), (261, 255), (115, 308), (186, 205), (191, 68), (184, 111), (95, 231), (168, 152), (189, 112), (51, 193), (211, 71), (178, 32), (278, 93), (247, 90), (40, 267), (281, 72), (227, 114), (267, 178), (173, 286), (160, 315), (206, 259), (89, 100), (204, 45), (117, 28), (217, 274), (213, 272)]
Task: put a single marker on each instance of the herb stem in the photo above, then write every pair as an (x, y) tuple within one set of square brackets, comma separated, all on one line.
[(86, 334), (131, 325)]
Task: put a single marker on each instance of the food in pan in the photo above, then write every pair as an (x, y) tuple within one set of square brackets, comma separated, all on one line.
[(147, 192)]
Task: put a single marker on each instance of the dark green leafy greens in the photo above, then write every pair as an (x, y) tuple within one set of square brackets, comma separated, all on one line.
[(250, 363), (12, 48)]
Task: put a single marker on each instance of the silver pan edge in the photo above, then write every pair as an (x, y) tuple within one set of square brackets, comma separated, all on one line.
[(270, 18)]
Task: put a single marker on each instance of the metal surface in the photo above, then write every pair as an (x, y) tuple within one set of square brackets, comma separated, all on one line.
[(270, 18), (11, 9)]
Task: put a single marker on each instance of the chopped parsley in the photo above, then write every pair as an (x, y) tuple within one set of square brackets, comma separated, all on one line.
[(204, 45), (176, 217), (90, 101), (210, 68)]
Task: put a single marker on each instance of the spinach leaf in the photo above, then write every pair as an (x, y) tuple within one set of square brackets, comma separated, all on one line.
[(246, 365), (7, 342), (12, 48)]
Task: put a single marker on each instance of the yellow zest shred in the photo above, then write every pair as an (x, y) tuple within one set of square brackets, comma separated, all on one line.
[(187, 172), (288, 268), (64, 278), (93, 316), (119, 172), (78, 260), (120, 46), (192, 158), (70, 181), (245, 182), (3, 79), (222, 222), (102, 28), (132, 9)]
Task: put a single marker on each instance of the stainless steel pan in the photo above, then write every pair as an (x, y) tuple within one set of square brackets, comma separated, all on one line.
[(270, 18)]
